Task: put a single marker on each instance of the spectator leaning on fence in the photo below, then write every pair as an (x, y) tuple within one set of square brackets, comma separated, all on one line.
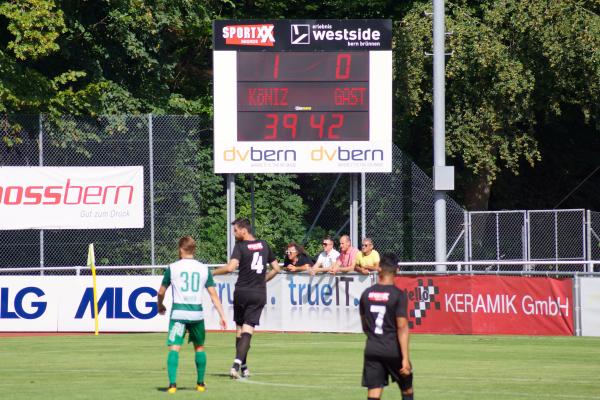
[(367, 260), (347, 258), (296, 259), (326, 258)]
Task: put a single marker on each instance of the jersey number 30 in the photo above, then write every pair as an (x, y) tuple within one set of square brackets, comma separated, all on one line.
[(257, 263)]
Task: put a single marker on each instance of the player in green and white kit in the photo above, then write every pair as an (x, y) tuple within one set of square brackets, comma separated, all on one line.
[(188, 278)]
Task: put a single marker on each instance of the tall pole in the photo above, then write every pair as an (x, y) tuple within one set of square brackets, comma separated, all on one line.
[(151, 180), (439, 127), (41, 162)]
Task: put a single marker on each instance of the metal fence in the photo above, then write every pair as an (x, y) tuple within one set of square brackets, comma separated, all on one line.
[(184, 196)]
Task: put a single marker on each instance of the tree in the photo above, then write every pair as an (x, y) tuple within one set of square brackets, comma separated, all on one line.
[(513, 63)]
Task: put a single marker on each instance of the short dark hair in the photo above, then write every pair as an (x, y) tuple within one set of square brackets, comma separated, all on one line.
[(187, 244), (243, 223), (389, 263)]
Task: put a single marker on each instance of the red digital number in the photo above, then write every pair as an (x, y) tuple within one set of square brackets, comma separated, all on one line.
[(320, 125), (346, 60), (276, 67), (273, 127), (335, 125), (290, 121)]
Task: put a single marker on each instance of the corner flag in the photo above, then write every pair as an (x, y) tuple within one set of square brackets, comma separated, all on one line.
[(91, 263)]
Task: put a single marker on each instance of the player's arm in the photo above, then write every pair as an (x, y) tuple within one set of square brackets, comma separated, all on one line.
[(275, 269), (161, 298), (402, 333), (228, 268), (305, 267), (349, 267), (316, 267), (214, 297)]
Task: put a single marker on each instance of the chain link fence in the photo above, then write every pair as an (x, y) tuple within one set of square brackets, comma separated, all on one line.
[(400, 213), (183, 196)]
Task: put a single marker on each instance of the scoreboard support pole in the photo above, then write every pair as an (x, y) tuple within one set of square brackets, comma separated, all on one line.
[(230, 179)]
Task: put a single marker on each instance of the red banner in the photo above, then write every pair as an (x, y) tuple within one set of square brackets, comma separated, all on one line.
[(485, 305)]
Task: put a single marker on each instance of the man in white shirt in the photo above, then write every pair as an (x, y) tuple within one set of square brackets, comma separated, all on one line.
[(326, 259)]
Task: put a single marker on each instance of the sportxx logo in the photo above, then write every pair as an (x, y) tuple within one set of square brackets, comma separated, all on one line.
[(300, 34), (249, 35)]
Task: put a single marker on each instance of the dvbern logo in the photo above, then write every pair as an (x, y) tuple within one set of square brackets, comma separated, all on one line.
[(249, 35), (300, 34)]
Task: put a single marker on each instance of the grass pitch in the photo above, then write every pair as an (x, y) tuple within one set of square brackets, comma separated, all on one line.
[(298, 366)]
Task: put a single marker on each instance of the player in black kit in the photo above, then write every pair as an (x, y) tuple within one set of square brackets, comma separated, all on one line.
[(384, 320), (252, 257)]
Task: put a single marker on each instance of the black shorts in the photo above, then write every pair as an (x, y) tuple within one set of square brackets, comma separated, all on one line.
[(377, 369), (247, 306)]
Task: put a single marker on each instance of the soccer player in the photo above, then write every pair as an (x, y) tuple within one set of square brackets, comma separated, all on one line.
[(252, 257), (188, 278), (384, 320)]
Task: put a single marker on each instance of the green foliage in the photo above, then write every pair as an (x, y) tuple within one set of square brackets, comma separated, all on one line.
[(35, 26)]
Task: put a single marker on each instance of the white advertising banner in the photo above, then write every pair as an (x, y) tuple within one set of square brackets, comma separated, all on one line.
[(590, 306), (128, 303), (71, 197)]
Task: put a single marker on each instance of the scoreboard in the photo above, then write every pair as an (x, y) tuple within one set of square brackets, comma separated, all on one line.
[(302, 96)]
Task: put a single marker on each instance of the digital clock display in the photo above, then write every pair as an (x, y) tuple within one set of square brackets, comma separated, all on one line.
[(300, 96)]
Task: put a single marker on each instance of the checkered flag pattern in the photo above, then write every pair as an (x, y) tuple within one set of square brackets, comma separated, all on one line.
[(428, 295)]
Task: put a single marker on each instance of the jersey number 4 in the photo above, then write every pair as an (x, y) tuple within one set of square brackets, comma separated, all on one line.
[(380, 311), (257, 263)]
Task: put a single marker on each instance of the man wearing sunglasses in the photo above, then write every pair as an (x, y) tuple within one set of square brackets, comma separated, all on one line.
[(367, 260), (296, 259), (327, 257)]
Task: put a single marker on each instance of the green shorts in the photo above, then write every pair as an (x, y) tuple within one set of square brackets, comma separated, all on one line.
[(177, 331)]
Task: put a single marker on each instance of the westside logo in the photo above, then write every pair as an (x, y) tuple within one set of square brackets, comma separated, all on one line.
[(249, 35)]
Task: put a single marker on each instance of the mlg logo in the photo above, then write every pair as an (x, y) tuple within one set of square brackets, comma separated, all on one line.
[(300, 34)]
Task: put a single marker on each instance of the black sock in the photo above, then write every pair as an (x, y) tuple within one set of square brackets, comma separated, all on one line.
[(407, 396), (242, 347), (372, 398), (237, 340)]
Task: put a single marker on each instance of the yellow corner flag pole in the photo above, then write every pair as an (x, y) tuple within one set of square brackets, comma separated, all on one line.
[(91, 263)]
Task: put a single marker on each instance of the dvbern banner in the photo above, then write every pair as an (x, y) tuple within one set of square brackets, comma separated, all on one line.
[(71, 197), (489, 305)]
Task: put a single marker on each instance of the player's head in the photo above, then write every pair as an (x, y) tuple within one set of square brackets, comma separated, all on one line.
[(241, 228), (294, 249), (388, 264), (187, 246), (345, 242), (327, 244), (366, 245)]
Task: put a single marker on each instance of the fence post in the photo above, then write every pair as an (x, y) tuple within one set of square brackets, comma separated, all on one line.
[(588, 239), (354, 208), (41, 162), (467, 228), (363, 202), (151, 179), (577, 304)]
